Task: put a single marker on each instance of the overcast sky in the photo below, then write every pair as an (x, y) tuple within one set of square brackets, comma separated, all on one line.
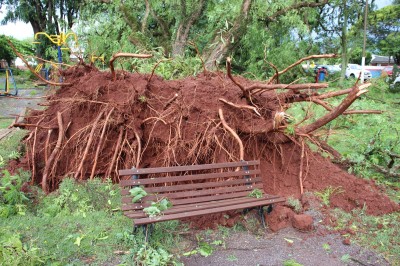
[(22, 30)]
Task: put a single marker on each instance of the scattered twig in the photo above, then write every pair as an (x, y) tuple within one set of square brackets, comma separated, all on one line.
[(301, 168)]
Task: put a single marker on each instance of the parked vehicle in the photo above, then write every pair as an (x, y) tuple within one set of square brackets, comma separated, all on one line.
[(388, 70), (354, 71), (396, 83)]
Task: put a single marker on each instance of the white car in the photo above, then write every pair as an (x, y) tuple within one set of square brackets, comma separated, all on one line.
[(354, 71), (396, 82)]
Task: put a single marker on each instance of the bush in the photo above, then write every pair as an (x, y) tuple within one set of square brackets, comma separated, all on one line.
[(80, 198), (12, 200)]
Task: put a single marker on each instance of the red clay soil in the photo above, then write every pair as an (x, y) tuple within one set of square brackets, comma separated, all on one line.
[(176, 130)]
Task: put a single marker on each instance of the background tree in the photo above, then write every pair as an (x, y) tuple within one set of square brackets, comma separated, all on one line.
[(8, 54), (384, 31), (334, 22), (51, 16)]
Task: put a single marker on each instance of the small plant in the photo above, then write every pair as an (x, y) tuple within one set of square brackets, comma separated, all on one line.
[(137, 193), (205, 249), (291, 262), (256, 193), (142, 99), (148, 255), (12, 199), (14, 155), (326, 247), (232, 258), (156, 208), (294, 203), (327, 193), (346, 258)]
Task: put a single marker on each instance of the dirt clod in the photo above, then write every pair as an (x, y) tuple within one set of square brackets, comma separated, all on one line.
[(302, 222), (279, 218)]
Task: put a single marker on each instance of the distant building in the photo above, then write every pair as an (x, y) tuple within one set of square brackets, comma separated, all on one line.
[(380, 60)]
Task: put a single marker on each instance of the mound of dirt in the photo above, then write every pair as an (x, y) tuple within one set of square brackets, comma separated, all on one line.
[(96, 126)]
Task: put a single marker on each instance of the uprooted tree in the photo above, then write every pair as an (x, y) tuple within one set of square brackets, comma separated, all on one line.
[(100, 122), (179, 122)]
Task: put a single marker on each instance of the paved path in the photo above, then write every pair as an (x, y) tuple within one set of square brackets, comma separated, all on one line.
[(273, 249), (10, 107)]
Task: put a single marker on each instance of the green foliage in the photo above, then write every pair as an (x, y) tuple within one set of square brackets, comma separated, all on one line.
[(6, 51), (291, 262), (80, 199), (327, 193), (381, 233), (12, 200), (156, 208), (13, 252), (383, 28), (137, 193), (294, 203), (148, 255), (11, 146), (256, 193)]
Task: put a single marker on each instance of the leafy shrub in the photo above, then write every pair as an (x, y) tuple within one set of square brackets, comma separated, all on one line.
[(12, 200), (80, 198), (14, 252)]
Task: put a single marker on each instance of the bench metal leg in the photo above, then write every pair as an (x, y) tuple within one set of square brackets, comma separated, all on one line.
[(147, 230), (261, 213)]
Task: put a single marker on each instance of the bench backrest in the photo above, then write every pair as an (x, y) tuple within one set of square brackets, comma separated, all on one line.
[(191, 184)]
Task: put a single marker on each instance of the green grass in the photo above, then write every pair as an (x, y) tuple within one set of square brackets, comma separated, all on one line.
[(10, 147), (4, 123), (81, 224), (381, 233)]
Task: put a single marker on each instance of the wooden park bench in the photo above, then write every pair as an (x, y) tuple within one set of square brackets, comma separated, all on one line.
[(195, 190)]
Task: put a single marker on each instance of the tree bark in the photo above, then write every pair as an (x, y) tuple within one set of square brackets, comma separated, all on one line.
[(187, 21), (230, 38), (343, 42)]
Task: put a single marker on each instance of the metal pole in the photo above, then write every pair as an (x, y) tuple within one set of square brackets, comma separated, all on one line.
[(59, 58), (365, 38)]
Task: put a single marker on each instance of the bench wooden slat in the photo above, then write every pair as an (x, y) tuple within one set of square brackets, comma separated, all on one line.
[(158, 180), (204, 192), (198, 185), (200, 206), (176, 202), (207, 211), (184, 168)]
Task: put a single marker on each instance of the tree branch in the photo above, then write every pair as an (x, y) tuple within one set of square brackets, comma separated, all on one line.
[(340, 109), (115, 56), (296, 6), (299, 62)]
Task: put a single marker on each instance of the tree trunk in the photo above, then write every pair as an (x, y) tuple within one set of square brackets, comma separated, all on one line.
[(229, 39), (343, 43), (182, 34)]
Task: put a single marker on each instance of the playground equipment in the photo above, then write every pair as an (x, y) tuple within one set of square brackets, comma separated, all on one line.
[(58, 40), (95, 58), (9, 79)]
